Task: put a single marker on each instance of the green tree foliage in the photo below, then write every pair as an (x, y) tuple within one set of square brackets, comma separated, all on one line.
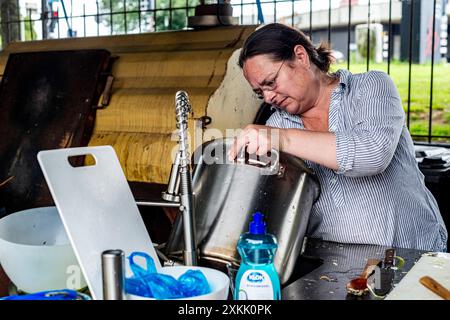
[(166, 19), (175, 20), (124, 17)]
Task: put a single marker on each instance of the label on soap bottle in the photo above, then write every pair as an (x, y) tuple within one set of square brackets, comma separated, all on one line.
[(255, 285)]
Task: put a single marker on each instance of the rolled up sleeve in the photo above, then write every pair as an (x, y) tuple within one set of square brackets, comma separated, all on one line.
[(367, 146)]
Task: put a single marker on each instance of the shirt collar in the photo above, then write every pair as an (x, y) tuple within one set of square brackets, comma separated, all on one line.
[(344, 77), (287, 115)]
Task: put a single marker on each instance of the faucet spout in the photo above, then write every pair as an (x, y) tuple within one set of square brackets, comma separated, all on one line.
[(180, 181)]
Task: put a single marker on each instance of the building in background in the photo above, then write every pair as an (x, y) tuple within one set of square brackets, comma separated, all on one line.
[(424, 35), (43, 19), (332, 24)]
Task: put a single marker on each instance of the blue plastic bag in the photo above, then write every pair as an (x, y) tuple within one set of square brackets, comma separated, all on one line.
[(50, 295), (148, 283)]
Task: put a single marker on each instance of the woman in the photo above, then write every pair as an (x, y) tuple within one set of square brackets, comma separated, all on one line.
[(350, 129)]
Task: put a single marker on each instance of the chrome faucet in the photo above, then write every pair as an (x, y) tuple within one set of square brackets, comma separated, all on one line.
[(182, 110), (179, 189)]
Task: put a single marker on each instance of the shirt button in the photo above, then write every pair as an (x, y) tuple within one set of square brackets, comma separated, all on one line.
[(333, 180)]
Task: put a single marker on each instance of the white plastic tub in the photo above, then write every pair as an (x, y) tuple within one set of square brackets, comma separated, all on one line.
[(36, 253)]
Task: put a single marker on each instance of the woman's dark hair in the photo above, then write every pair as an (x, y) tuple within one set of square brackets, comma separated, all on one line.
[(279, 40)]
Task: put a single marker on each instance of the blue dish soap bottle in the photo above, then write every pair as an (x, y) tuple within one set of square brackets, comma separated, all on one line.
[(257, 278)]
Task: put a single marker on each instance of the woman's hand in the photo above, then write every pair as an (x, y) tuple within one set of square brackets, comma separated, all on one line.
[(259, 139), (315, 146)]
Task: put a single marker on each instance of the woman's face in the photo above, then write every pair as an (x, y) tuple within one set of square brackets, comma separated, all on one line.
[(289, 84)]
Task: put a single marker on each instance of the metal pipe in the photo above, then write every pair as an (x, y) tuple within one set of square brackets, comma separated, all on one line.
[(188, 219), (170, 14), (98, 18), (261, 14), (329, 22), (292, 12), (154, 16), (348, 33), (368, 37), (242, 12), (125, 16), (113, 269), (389, 38), (174, 182), (157, 204), (44, 15), (84, 20), (411, 19), (310, 20), (139, 15), (111, 17), (182, 109), (59, 32), (430, 115)]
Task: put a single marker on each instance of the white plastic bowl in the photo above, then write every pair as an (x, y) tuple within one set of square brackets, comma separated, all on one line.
[(217, 280), (36, 253)]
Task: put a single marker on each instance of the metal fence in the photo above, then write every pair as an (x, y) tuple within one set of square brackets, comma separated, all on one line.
[(316, 18)]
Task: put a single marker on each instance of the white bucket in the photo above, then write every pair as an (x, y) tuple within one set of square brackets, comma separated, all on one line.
[(35, 251)]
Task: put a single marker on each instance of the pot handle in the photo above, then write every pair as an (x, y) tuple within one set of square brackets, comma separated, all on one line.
[(269, 163)]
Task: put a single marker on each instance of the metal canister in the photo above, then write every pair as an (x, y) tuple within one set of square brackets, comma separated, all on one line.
[(113, 269)]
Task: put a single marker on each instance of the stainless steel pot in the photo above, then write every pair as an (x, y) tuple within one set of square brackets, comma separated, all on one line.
[(226, 194)]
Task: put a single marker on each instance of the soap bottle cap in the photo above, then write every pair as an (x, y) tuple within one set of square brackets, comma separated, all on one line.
[(257, 225)]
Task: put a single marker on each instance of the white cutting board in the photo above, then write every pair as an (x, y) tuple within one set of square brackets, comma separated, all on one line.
[(436, 265), (97, 208)]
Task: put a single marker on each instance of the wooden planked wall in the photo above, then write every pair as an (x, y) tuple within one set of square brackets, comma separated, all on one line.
[(149, 70)]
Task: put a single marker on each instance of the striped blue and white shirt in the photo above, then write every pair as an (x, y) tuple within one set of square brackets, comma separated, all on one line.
[(378, 195)]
